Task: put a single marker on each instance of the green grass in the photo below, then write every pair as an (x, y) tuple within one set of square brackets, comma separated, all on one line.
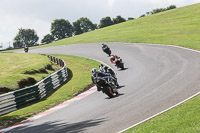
[(13, 66), (182, 119), (176, 27), (80, 73)]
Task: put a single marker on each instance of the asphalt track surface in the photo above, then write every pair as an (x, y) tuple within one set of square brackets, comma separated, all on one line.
[(156, 77)]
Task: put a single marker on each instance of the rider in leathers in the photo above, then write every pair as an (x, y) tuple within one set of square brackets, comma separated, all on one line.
[(104, 47), (106, 69), (96, 74)]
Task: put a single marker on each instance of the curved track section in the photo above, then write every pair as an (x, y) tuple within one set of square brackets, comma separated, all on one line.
[(157, 77)]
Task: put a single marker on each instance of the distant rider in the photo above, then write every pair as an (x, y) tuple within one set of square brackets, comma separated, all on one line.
[(105, 47), (26, 48), (114, 58)]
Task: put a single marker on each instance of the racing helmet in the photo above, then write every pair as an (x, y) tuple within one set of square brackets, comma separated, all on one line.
[(100, 65), (94, 70)]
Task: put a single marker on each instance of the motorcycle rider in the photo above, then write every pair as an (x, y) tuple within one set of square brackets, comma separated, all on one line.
[(114, 58), (96, 74), (26, 48), (106, 69), (104, 47), (102, 68)]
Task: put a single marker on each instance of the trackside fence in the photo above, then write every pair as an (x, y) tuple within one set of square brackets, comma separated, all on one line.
[(23, 97)]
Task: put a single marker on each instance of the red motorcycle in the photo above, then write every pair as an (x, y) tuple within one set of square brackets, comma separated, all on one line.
[(117, 61)]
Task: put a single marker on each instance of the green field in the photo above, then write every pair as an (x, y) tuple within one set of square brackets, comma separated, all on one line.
[(79, 70), (176, 27), (14, 65)]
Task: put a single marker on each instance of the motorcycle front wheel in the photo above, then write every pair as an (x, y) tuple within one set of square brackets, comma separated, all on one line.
[(109, 92)]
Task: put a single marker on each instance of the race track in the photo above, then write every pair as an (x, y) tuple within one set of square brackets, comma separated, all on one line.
[(157, 77)]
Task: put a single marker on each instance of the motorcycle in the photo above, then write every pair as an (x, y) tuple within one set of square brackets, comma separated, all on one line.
[(118, 62), (106, 50), (107, 87), (26, 49)]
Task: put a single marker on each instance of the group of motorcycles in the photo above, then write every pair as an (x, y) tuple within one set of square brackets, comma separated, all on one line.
[(114, 58), (105, 78)]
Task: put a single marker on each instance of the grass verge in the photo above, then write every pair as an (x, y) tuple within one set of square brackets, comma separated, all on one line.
[(183, 119), (13, 67), (80, 76)]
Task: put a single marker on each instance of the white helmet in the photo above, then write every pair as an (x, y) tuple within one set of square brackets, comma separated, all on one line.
[(94, 70), (100, 65)]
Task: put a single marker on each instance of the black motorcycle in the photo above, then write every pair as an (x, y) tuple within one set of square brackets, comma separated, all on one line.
[(119, 64), (106, 50), (107, 86), (26, 49)]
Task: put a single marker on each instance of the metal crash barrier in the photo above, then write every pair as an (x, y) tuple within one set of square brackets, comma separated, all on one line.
[(17, 99)]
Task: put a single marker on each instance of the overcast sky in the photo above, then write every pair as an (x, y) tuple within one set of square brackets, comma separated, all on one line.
[(38, 14)]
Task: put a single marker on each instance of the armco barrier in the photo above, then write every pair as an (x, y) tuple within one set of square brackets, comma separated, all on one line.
[(23, 97)]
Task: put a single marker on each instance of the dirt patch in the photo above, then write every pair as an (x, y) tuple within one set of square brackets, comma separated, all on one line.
[(22, 84), (41, 70), (26, 82), (4, 90), (49, 67)]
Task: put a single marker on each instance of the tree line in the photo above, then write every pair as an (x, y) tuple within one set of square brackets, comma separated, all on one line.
[(158, 10), (61, 28)]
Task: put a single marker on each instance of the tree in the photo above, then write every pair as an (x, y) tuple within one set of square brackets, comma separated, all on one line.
[(143, 15), (47, 39), (17, 44), (77, 28), (171, 7), (118, 19), (148, 13), (104, 22), (131, 18), (25, 37), (61, 28), (83, 25)]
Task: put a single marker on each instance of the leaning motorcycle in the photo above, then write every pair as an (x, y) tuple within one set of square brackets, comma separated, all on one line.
[(106, 86), (107, 51), (118, 63)]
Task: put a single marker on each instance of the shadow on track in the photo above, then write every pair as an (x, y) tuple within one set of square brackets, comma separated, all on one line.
[(123, 69), (120, 94), (121, 86), (58, 127)]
